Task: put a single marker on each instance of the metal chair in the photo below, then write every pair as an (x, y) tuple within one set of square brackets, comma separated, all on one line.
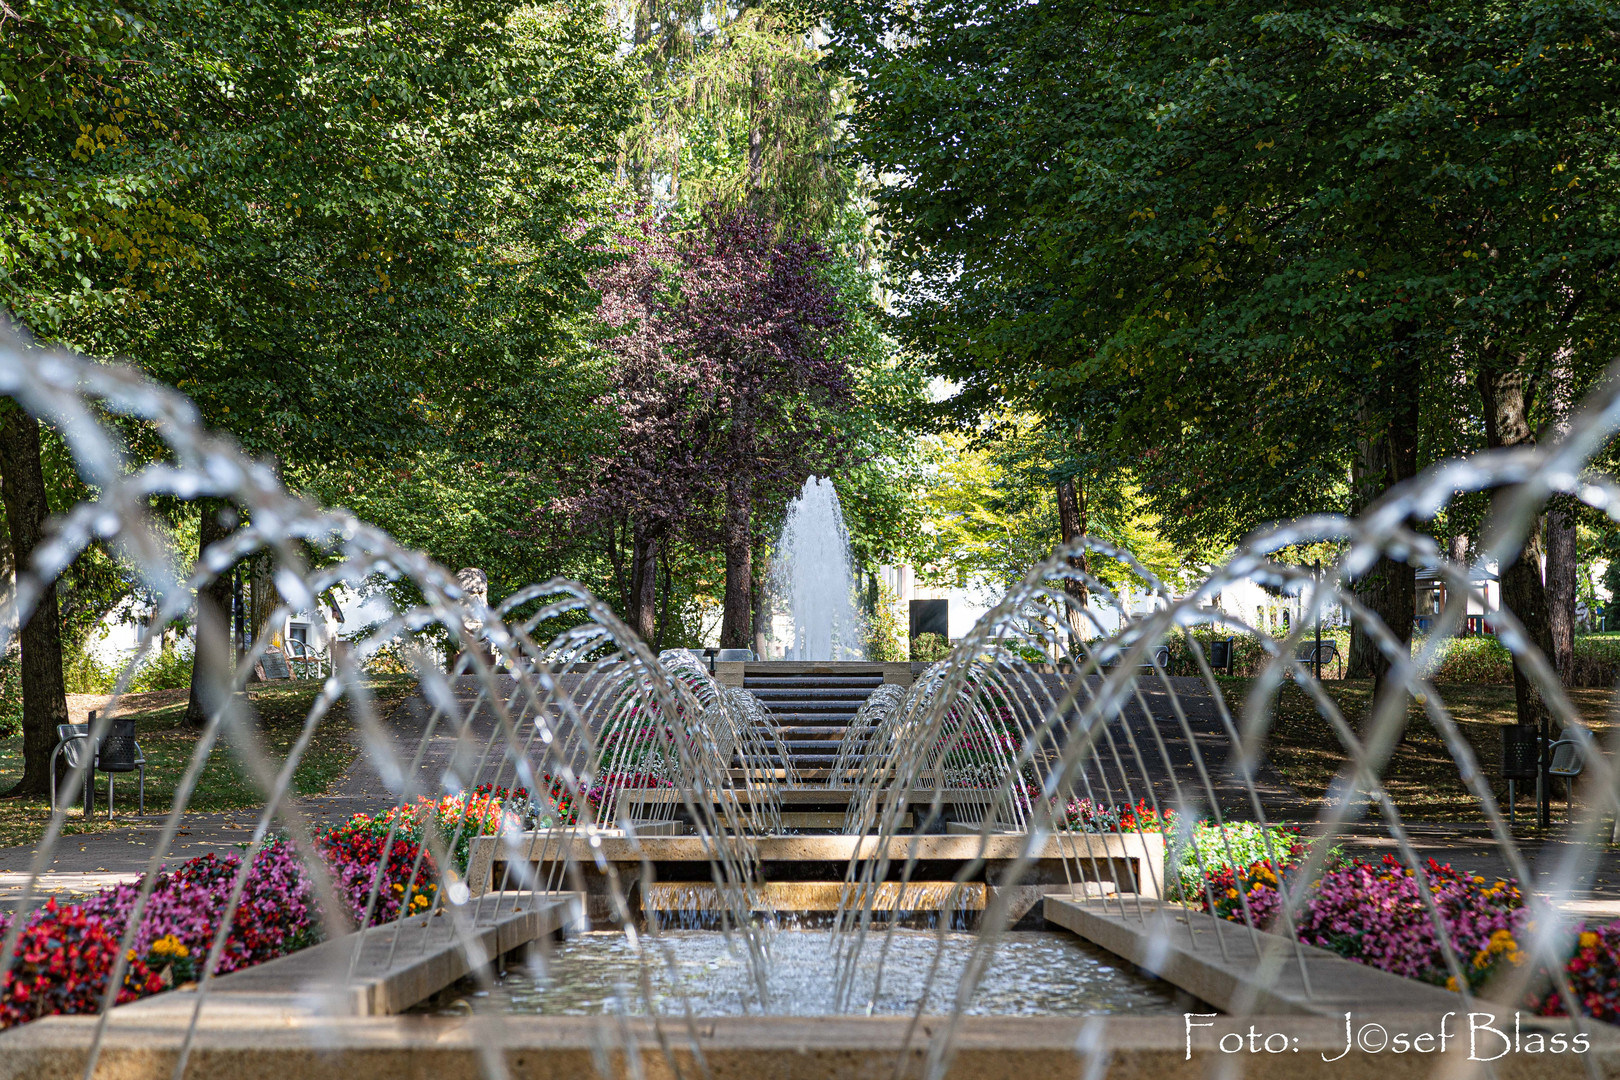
[(118, 752), (1566, 758), (1327, 652), (305, 662)]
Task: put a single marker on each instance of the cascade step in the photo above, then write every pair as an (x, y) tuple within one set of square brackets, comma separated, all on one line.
[(810, 712)]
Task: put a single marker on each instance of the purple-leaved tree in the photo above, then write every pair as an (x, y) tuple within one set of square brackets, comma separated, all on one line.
[(723, 389)]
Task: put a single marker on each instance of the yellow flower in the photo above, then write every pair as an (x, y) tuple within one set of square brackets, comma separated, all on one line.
[(1231, 894), (1589, 940), (169, 945), (1451, 983), (1479, 881), (398, 887)]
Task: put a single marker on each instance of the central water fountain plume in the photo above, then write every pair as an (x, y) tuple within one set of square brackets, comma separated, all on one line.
[(813, 578)]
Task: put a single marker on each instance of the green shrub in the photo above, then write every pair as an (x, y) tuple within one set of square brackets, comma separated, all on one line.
[(1484, 659), (83, 673), (1032, 654), (1478, 659), (927, 648), (1247, 654), (885, 630), (168, 669), (1244, 843), (1596, 661)]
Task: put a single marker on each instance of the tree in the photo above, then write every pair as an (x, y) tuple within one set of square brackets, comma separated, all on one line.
[(721, 385), (640, 488), (763, 317), (22, 486), (1253, 235), (339, 229), (739, 112)]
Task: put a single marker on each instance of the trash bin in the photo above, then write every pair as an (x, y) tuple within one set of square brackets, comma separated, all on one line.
[(1521, 754), (1521, 760)]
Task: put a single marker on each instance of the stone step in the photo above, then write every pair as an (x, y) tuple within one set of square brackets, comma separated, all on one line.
[(811, 713), (811, 693), (769, 682), (813, 719)]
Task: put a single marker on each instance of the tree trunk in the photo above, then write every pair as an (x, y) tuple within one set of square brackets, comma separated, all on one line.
[(756, 134), (1561, 574), (1562, 565), (762, 606), (1386, 454), (643, 585), (735, 620), (213, 619), (1501, 391), (22, 487), (263, 597), (1071, 503), (1459, 555), (666, 591)]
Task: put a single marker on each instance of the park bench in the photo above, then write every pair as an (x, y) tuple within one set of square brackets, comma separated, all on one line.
[(118, 752), (1160, 659)]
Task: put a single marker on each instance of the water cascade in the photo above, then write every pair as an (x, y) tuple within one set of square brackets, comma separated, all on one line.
[(813, 580)]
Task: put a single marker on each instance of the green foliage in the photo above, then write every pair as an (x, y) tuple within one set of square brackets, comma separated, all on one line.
[(84, 673), (11, 707), (993, 514), (1212, 847), (1229, 243), (740, 109), (1249, 655), (885, 629), (1484, 659), (167, 669), (1478, 659), (1611, 582), (927, 648)]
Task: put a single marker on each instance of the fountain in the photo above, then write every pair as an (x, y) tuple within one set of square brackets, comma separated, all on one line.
[(991, 792), (813, 580)]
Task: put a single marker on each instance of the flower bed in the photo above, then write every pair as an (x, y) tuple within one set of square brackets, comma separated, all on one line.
[(1375, 914), (382, 867), (1372, 913), (66, 953), (1205, 850)]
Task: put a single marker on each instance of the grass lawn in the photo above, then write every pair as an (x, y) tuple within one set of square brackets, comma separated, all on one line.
[(1421, 777), (279, 708)]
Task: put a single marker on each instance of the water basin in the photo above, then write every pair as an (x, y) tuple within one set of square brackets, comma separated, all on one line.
[(1034, 973)]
